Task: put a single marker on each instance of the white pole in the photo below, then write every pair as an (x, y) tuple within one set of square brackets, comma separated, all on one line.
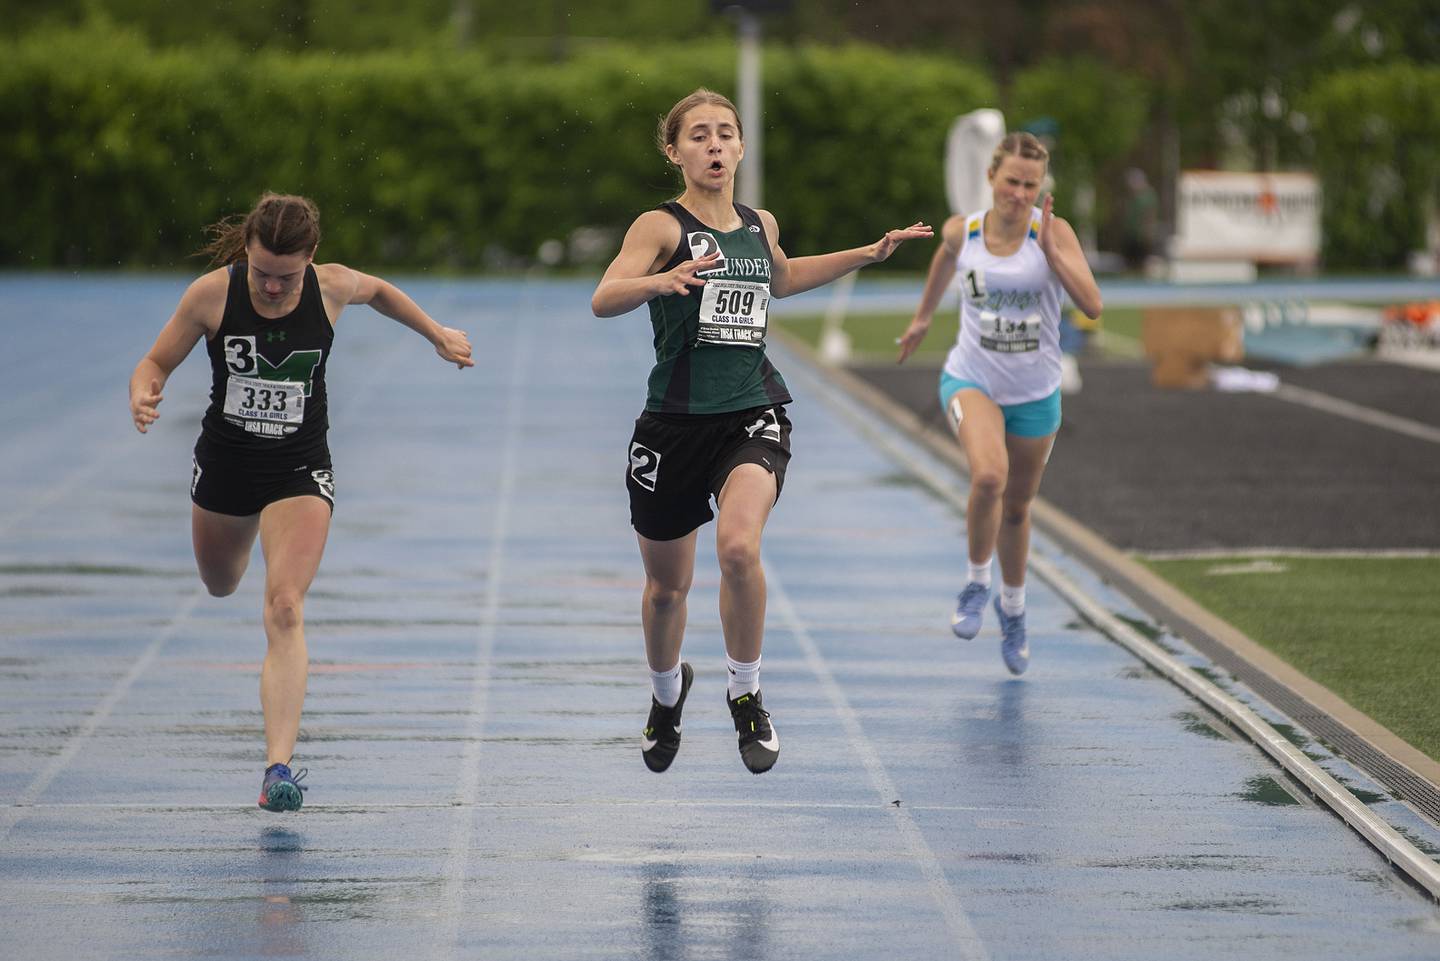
[(834, 341), (751, 186)]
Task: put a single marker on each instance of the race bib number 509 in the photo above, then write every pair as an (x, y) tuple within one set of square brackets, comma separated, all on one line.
[(734, 312)]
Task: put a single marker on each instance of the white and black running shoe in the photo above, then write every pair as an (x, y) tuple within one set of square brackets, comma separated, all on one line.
[(759, 744), (661, 738)]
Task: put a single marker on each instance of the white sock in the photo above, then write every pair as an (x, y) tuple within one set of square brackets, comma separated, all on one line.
[(666, 685), (744, 678), (1012, 600), (980, 573)]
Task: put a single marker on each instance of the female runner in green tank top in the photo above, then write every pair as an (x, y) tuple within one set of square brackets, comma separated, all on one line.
[(714, 422)]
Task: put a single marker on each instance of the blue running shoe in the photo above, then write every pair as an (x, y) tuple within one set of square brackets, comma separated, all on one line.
[(1013, 646), (281, 790), (969, 609)]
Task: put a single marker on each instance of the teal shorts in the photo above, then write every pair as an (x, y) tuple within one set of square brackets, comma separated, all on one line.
[(1034, 418)]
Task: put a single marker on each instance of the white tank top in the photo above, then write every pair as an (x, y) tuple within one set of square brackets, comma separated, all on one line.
[(1009, 340)]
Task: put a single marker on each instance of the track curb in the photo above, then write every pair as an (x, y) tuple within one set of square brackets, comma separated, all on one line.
[(1188, 620)]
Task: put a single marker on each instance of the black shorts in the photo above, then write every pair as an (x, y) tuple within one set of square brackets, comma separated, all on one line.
[(230, 482), (679, 461)]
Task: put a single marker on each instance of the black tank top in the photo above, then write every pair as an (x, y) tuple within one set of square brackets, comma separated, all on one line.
[(267, 389)]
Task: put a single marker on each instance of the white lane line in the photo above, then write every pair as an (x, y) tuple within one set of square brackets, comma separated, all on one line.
[(104, 457), (526, 804), (1313, 399), (17, 809), (1356, 412), (961, 930), (10, 815), (1385, 839), (457, 863), (57, 491), (1389, 842), (1422, 358), (1253, 553)]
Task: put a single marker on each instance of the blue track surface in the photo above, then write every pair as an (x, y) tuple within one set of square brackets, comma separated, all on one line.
[(478, 689)]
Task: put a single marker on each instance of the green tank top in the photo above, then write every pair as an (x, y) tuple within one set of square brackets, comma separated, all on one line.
[(710, 342)]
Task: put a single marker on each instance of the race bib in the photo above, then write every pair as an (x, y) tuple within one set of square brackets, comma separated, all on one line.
[(1006, 335), (271, 408), (734, 312)]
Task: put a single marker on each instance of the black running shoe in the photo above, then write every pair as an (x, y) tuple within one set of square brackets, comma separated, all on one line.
[(661, 738), (759, 744)]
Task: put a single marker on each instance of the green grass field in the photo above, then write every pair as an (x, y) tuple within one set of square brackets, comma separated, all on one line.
[(872, 336), (1367, 628)]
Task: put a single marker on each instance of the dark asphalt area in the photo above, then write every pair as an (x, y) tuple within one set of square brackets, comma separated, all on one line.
[(1153, 469)]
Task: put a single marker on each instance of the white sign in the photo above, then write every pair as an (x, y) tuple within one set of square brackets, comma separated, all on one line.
[(1261, 217), (968, 149)]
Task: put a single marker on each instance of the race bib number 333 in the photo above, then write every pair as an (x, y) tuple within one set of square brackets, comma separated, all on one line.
[(269, 407), (734, 312)]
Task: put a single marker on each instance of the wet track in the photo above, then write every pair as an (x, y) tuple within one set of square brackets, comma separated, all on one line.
[(478, 688)]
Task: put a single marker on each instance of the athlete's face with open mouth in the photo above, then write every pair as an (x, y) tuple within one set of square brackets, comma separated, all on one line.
[(709, 147), (1016, 183), (274, 277)]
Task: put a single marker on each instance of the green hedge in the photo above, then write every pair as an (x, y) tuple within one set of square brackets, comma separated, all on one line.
[(1098, 113), (1377, 137), (119, 153)]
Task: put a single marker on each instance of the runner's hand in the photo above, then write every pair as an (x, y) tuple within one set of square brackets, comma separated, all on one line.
[(687, 275), (454, 347), (1046, 237), (910, 340), (885, 246), (143, 406)]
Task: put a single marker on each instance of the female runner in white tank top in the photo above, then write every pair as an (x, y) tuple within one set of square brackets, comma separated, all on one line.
[(1000, 388)]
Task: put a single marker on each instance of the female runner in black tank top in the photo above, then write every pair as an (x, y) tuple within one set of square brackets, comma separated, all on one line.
[(262, 465), (709, 366)]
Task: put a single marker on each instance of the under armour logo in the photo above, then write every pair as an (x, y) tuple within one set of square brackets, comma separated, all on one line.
[(273, 335)]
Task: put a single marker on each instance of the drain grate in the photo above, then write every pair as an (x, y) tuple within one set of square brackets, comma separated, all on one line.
[(1399, 780), (1402, 782)]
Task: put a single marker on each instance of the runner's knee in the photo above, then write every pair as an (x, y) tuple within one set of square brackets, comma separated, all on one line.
[(663, 595), (988, 481), (1015, 512), (284, 610), (738, 556)]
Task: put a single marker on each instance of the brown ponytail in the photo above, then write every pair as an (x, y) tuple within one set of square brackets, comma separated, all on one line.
[(283, 223)]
